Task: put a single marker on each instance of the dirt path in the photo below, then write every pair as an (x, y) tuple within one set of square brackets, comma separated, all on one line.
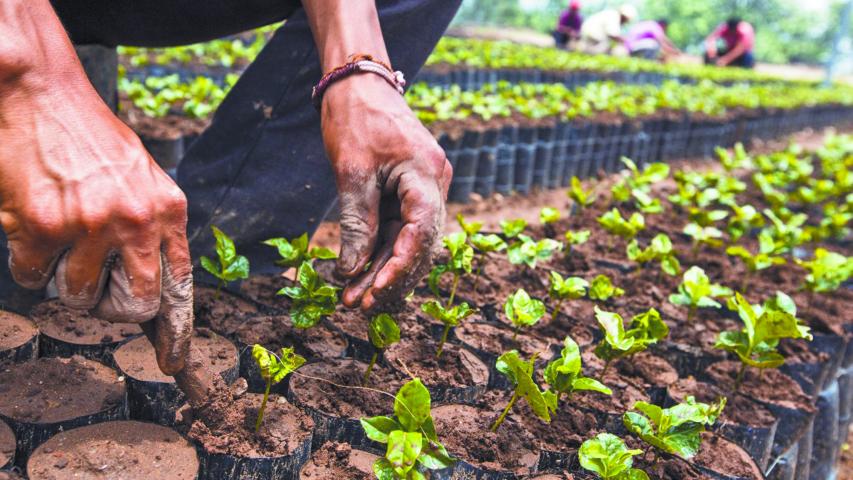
[(498, 207)]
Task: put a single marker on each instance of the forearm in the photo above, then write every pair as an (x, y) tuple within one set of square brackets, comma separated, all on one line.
[(736, 52), (345, 27)]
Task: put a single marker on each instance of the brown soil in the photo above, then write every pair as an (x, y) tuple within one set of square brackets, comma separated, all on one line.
[(338, 461), (264, 289), (626, 390), (15, 330), (740, 409), (137, 359), (335, 387), (465, 432), (457, 367), (351, 322), (172, 126), (568, 429), (497, 340), (284, 429), (725, 457), (126, 450), (498, 279), (51, 390), (77, 326), (224, 315), (276, 331), (7, 444), (771, 386)]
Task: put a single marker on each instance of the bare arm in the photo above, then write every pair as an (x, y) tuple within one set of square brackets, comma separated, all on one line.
[(382, 157), (730, 56), (82, 201)]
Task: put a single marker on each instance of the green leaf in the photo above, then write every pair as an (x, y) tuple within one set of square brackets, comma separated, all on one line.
[(383, 331), (403, 451), (577, 238), (273, 368), (522, 310), (210, 267), (322, 253), (470, 228), (549, 215), (590, 384), (412, 405), (603, 289), (607, 456), (520, 374), (488, 243), (512, 228), (383, 470), (378, 428)]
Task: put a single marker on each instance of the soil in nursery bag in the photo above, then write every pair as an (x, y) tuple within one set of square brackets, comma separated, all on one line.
[(234, 450), (7, 445), (778, 392), (66, 332), (275, 332), (743, 421), (127, 450), (223, 314), (18, 338), (263, 288), (465, 431), (626, 389), (338, 461), (41, 397), (456, 376), (152, 395), (717, 458), (333, 392)]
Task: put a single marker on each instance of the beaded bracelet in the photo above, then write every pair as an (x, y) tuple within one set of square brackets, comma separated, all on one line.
[(357, 64)]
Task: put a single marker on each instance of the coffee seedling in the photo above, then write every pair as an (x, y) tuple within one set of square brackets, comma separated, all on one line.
[(470, 228), (602, 289), (827, 271), (763, 259), (450, 317), (614, 223), (520, 375), (562, 289), (485, 244), (528, 252), (295, 251), (413, 445), (383, 332), (660, 250), (755, 344), (645, 329), (231, 266), (582, 198), (312, 297), (564, 375), (458, 264), (512, 228), (273, 369), (523, 311), (696, 290), (676, 430), (607, 456)]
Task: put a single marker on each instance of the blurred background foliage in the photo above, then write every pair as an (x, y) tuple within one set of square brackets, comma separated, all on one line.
[(786, 30)]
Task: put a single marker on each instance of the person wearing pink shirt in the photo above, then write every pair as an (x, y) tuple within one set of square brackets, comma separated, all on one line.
[(739, 39), (647, 39)]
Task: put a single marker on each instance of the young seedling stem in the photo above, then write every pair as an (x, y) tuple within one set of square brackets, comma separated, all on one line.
[(370, 366), (501, 419), (443, 340), (453, 289), (263, 405)]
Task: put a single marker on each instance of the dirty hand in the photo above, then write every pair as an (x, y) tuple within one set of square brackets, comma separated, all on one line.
[(392, 180), (83, 201)]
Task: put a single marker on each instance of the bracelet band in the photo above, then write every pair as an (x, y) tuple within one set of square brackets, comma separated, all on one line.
[(358, 64)]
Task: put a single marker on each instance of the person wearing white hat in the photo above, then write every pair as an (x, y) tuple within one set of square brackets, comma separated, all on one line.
[(602, 31)]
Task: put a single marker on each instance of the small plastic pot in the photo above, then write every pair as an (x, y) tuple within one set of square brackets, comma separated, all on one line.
[(463, 469), (544, 155), (804, 454), (90, 390), (824, 451), (222, 466), (19, 338), (154, 397), (524, 159), (124, 449), (465, 169), (559, 159), (784, 467), (505, 160), (487, 164), (66, 332)]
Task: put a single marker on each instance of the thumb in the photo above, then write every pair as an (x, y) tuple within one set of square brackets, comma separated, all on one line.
[(359, 229)]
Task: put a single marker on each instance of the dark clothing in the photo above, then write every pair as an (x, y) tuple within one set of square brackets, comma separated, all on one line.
[(569, 19), (260, 170), (746, 60)]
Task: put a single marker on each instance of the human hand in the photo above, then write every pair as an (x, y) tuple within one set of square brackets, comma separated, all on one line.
[(392, 180), (82, 201)]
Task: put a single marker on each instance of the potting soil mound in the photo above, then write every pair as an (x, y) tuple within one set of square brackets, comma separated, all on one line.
[(7, 444), (78, 327), (138, 359), (465, 432), (15, 330), (277, 331), (284, 429), (50, 390), (115, 450), (457, 367), (338, 461)]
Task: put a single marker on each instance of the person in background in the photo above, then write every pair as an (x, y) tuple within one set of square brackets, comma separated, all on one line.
[(569, 25), (602, 31), (647, 39), (739, 37)]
